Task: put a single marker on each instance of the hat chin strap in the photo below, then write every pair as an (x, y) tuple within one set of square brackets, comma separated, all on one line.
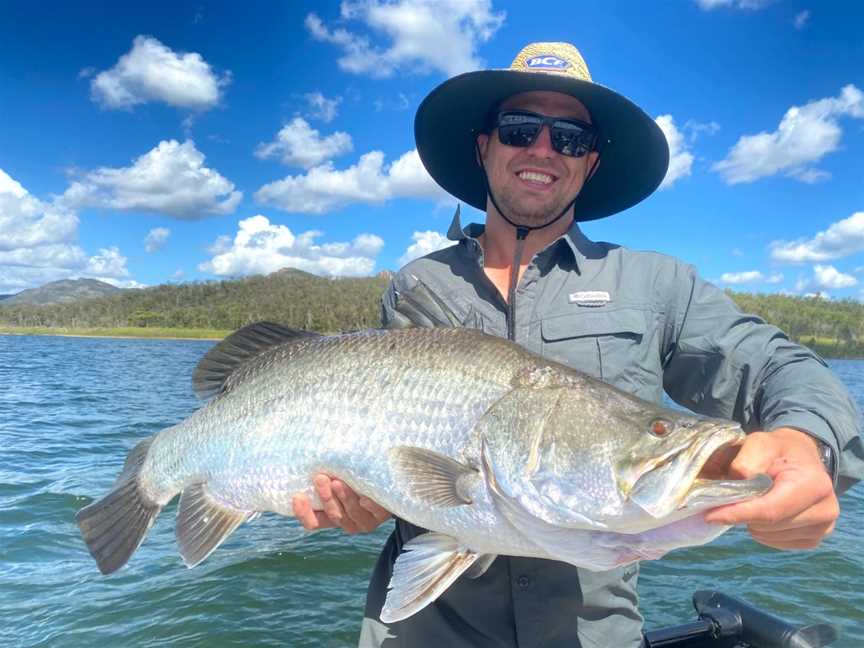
[(522, 232)]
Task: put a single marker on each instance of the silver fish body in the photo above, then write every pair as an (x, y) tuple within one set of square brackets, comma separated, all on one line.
[(493, 449)]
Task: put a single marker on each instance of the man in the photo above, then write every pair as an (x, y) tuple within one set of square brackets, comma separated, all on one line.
[(541, 147)]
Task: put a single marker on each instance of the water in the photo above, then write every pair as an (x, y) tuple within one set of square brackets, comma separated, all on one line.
[(70, 409)]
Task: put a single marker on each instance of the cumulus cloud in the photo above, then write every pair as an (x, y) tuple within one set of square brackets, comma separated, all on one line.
[(156, 239), (680, 158), (150, 71), (752, 5), (261, 247), (325, 188), (424, 243), (37, 243), (171, 179), (825, 278), (805, 135), (801, 19), (750, 277), (423, 35), (841, 239), (320, 107), (298, 144)]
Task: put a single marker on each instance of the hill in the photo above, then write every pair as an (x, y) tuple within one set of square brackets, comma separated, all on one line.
[(64, 291), (291, 297)]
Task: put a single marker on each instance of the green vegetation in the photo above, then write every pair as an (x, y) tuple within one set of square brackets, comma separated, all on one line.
[(301, 300), (290, 297)]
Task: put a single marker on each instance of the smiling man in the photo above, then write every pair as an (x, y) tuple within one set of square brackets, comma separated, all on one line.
[(540, 147)]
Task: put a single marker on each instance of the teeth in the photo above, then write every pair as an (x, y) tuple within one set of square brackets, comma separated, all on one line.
[(535, 177)]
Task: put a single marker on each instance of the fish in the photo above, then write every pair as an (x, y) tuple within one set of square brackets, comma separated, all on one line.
[(491, 448)]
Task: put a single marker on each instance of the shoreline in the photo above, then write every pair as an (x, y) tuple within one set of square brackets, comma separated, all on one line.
[(115, 334)]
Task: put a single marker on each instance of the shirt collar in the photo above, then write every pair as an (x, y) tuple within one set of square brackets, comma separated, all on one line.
[(573, 239)]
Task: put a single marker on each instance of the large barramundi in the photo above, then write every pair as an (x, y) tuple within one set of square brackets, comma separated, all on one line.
[(493, 449)]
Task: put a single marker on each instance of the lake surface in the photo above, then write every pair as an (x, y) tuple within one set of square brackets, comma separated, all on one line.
[(71, 408)]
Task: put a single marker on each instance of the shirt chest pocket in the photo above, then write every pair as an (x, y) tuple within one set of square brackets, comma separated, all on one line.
[(604, 344)]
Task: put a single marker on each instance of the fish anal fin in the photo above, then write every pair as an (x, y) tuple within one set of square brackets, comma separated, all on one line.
[(433, 478), (215, 368), (429, 564), (480, 566), (203, 523)]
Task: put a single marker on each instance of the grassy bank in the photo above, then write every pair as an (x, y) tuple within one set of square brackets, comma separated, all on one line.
[(119, 332)]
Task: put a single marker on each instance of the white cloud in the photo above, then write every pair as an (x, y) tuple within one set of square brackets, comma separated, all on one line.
[(27, 222), (680, 158), (749, 277), (752, 5), (37, 244), (801, 19), (805, 135), (298, 144), (324, 188), (320, 107), (170, 179), (825, 277), (696, 128), (841, 239), (424, 243), (150, 71), (156, 239), (424, 35), (260, 247)]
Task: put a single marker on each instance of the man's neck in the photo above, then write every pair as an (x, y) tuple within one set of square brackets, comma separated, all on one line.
[(499, 246)]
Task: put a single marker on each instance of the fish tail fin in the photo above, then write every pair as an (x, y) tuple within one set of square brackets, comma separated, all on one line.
[(114, 526)]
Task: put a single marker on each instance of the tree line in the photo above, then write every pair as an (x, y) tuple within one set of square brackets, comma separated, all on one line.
[(298, 299)]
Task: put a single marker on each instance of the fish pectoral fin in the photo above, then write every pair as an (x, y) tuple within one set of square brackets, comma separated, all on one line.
[(203, 523), (215, 368), (429, 564), (480, 566), (432, 477)]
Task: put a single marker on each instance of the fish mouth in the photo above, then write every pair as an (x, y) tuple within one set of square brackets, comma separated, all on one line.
[(683, 480)]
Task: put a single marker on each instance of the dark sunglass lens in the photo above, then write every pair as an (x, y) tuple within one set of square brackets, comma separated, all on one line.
[(571, 139), (516, 129)]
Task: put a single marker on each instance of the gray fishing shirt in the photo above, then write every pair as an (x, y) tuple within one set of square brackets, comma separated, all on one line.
[(644, 322)]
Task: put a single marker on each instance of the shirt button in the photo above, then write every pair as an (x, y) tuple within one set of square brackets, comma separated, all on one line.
[(524, 582)]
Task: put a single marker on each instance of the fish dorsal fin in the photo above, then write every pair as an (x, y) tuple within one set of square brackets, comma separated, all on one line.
[(419, 307), (203, 523), (221, 361), (429, 564), (432, 477)]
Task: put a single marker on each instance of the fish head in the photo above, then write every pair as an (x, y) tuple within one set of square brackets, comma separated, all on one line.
[(583, 454)]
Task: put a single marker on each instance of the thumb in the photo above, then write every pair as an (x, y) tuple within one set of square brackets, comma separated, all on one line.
[(755, 456)]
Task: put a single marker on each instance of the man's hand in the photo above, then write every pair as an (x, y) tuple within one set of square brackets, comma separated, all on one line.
[(342, 508), (800, 509)]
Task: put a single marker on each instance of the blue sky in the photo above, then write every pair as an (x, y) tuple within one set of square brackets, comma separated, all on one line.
[(147, 144)]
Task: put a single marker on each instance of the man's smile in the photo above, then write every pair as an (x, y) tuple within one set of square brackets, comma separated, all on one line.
[(536, 178)]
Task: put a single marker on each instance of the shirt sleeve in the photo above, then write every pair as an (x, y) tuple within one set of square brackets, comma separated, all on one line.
[(721, 362)]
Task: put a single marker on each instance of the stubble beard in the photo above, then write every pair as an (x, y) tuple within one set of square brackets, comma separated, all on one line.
[(533, 216)]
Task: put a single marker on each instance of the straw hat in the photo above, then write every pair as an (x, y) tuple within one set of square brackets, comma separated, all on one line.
[(634, 154)]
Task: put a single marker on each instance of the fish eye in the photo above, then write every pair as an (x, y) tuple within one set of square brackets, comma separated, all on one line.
[(660, 428)]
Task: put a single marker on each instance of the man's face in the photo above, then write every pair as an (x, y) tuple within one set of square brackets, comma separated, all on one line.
[(533, 184)]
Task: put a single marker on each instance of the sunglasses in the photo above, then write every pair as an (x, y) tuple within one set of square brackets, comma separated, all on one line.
[(570, 137)]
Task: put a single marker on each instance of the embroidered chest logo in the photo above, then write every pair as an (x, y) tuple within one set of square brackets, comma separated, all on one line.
[(590, 298)]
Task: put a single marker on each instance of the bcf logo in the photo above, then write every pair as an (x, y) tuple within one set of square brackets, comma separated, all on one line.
[(547, 61)]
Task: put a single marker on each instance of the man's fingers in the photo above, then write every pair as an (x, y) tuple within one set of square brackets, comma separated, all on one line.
[(812, 533), (786, 500), (821, 514), (378, 512), (310, 519)]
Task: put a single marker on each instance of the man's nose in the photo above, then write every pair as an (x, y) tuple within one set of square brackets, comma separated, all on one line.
[(542, 144)]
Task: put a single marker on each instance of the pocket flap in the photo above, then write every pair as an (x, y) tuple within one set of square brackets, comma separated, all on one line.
[(593, 323)]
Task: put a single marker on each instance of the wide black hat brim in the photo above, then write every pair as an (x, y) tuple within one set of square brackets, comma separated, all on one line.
[(634, 153)]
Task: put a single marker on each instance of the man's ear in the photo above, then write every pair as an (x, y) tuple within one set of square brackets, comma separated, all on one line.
[(480, 149)]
